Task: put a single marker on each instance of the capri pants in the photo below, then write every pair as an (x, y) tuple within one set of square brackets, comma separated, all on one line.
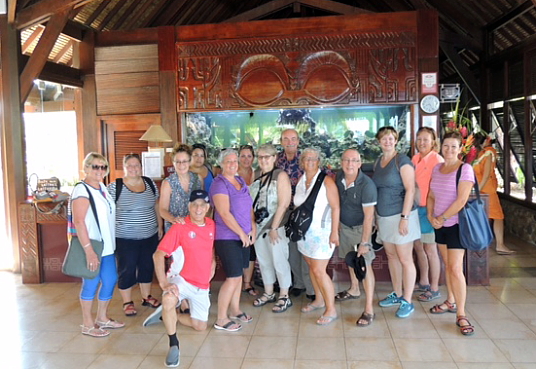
[(107, 277), (273, 259)]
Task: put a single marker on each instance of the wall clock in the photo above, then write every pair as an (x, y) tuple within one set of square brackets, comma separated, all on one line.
[(430, 104)]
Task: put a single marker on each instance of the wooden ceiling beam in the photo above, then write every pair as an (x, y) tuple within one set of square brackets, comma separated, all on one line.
[(128, 13), (63, 51), (172, 9), (511, 15), (463, 70), (131, 21), (29, 41), (97, 12), (59, 73), (276, 5), (149, 21), (110, 15), (11, 11), (449, 11), (40, 54), (43, 10), (459, 41)]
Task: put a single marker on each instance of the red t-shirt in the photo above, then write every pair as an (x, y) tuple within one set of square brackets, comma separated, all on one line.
[(191, 246)]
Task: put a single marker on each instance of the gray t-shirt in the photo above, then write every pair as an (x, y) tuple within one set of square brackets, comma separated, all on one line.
[(391, 189), (362, 192)]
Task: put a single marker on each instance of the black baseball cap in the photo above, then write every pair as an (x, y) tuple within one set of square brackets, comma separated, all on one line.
[(357, 263), (199, 194)]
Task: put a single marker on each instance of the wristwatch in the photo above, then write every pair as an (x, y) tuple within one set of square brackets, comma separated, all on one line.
[(367, 244), (404, 216), (444, 219)]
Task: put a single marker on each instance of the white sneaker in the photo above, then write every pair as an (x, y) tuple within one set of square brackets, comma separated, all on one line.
[(155, 317)]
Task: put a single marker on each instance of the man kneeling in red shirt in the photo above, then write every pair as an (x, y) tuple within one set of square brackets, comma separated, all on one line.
[(191, 245)]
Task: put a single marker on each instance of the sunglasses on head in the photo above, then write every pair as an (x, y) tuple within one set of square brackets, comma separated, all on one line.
[(97, 167)]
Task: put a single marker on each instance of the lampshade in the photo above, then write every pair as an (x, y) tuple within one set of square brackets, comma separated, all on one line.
[(156, 133)]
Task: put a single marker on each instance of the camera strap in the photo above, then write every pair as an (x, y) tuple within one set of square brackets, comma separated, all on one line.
[(261, 186)]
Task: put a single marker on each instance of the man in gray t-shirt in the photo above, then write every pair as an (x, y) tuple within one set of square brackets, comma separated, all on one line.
[(358, 196)]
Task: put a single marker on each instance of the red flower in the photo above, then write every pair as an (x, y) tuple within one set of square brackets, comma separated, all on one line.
[(471, 156), (463, 132)]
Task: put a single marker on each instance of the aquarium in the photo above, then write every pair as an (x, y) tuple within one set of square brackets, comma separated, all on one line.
[(332, 130)]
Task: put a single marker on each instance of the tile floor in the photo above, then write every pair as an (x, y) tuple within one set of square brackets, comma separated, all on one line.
[(41, 330)]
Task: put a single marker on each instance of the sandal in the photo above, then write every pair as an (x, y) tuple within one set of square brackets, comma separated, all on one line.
[(421, 288), (466, 330), (345, 295), (283, 303), (94, 331), (439, 309), (429, 296), (229, 326), (150, 301), (250, 290), (264, 299), (243, 317), (325, 320), (129, 309), (366, 318), (110, 324)]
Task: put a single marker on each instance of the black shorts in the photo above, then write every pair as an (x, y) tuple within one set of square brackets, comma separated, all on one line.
[(234, 258), (135, 260), (449, 236)]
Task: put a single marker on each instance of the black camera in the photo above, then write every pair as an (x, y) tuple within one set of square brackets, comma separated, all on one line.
[(261, 214)]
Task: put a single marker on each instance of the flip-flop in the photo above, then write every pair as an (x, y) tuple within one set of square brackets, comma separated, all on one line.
[(227, 326), (504, 252), (243, 317), (345, 295), (325, 320), (310, 307)]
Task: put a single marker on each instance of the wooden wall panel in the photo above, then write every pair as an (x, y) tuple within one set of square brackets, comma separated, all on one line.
[(345, 60), (127, 79)]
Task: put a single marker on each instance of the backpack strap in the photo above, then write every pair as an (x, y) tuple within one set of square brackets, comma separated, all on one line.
[(148, 181), (118, 188)]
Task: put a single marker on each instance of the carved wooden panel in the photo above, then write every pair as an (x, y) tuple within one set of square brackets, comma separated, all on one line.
[(349, 68), (29, 250)]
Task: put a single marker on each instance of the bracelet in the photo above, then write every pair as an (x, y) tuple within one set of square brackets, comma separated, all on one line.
[(87, 245), (444, 218), (404, 216)]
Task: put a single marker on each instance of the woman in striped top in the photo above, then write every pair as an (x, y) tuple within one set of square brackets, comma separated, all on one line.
[(446, 198), (138, 229)]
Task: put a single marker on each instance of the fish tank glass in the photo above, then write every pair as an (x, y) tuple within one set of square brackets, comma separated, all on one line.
[(332, 130)]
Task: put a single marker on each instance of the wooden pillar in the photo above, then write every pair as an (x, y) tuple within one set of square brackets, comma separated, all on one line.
[(12, 135), (87, 123), (167, 67)]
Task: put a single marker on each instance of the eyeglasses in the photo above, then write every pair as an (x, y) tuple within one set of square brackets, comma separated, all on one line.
[(179, 162), (310, 159), (264, 157), (353, 161), (97, 167)]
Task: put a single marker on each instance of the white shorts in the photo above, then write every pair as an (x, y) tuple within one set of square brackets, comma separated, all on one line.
[(388, 228), (198, 298)]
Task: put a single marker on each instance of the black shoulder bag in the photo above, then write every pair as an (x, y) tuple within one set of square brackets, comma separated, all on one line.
[(301, 217)]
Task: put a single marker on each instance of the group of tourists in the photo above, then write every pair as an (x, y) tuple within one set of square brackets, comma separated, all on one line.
[(407, 204)]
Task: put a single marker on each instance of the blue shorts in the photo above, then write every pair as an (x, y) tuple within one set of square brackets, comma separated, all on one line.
[(234, 258), (426, 226)]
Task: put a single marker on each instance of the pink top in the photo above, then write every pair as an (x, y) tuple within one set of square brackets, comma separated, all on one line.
[(423, 172), (444, 188)]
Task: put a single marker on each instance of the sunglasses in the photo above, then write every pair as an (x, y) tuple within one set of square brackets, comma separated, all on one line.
[(97, 167)]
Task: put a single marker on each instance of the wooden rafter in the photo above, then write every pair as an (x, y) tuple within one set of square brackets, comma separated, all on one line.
[(110, 15), (172, 8), (185, 16), (466, 75), (460, 41), (29, 41), (43, 10), (126, 14), (153, 15), (97, 12), (40, 54), (511, 15), (276, 5), (450, 12), (63, 51), (133, 19)]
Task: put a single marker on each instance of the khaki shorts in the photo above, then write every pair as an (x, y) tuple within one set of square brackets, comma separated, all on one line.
[(349, 237)]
